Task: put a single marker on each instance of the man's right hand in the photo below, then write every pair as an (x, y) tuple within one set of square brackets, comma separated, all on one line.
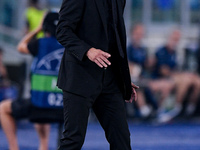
[(99, 57)]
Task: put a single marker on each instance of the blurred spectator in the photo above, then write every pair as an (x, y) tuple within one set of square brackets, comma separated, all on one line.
[(10, 112), (34, 15), (140, 66), (46, 101), (7, 88), (137, 54), (166, 67)]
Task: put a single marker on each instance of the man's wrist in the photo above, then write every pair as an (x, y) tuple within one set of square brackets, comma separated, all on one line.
[(90, 51)]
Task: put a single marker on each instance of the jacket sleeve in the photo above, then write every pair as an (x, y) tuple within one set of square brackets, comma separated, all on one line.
[(70, 16)]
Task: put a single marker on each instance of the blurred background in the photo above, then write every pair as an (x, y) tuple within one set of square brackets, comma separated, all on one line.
[(164, 58)]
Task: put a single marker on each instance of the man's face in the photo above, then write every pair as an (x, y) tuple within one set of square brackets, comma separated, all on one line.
[(176, 35), (138, 34), (174, 39)]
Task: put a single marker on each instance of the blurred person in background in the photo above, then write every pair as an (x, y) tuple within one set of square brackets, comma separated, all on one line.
[(45, 105), (7, 88), (166, 67), (140, 68), (10, 112), (34, 15)]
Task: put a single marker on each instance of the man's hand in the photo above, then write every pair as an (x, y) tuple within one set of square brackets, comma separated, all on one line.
[(165, 70), (134, 93), (99, 57)]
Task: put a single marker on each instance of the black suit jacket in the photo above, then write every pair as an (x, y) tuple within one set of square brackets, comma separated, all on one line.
[(82, 25)]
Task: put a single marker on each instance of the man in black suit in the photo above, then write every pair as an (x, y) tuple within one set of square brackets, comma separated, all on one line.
[(94, 71)]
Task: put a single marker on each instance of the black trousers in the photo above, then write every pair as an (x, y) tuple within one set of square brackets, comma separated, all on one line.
[(108, 105)]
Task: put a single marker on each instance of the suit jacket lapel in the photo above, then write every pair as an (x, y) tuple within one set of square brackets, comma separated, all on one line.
[(102, 14), (121, 25), (119, 8)]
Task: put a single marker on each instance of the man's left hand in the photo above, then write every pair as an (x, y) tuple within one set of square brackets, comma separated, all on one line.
[(134, 93)]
